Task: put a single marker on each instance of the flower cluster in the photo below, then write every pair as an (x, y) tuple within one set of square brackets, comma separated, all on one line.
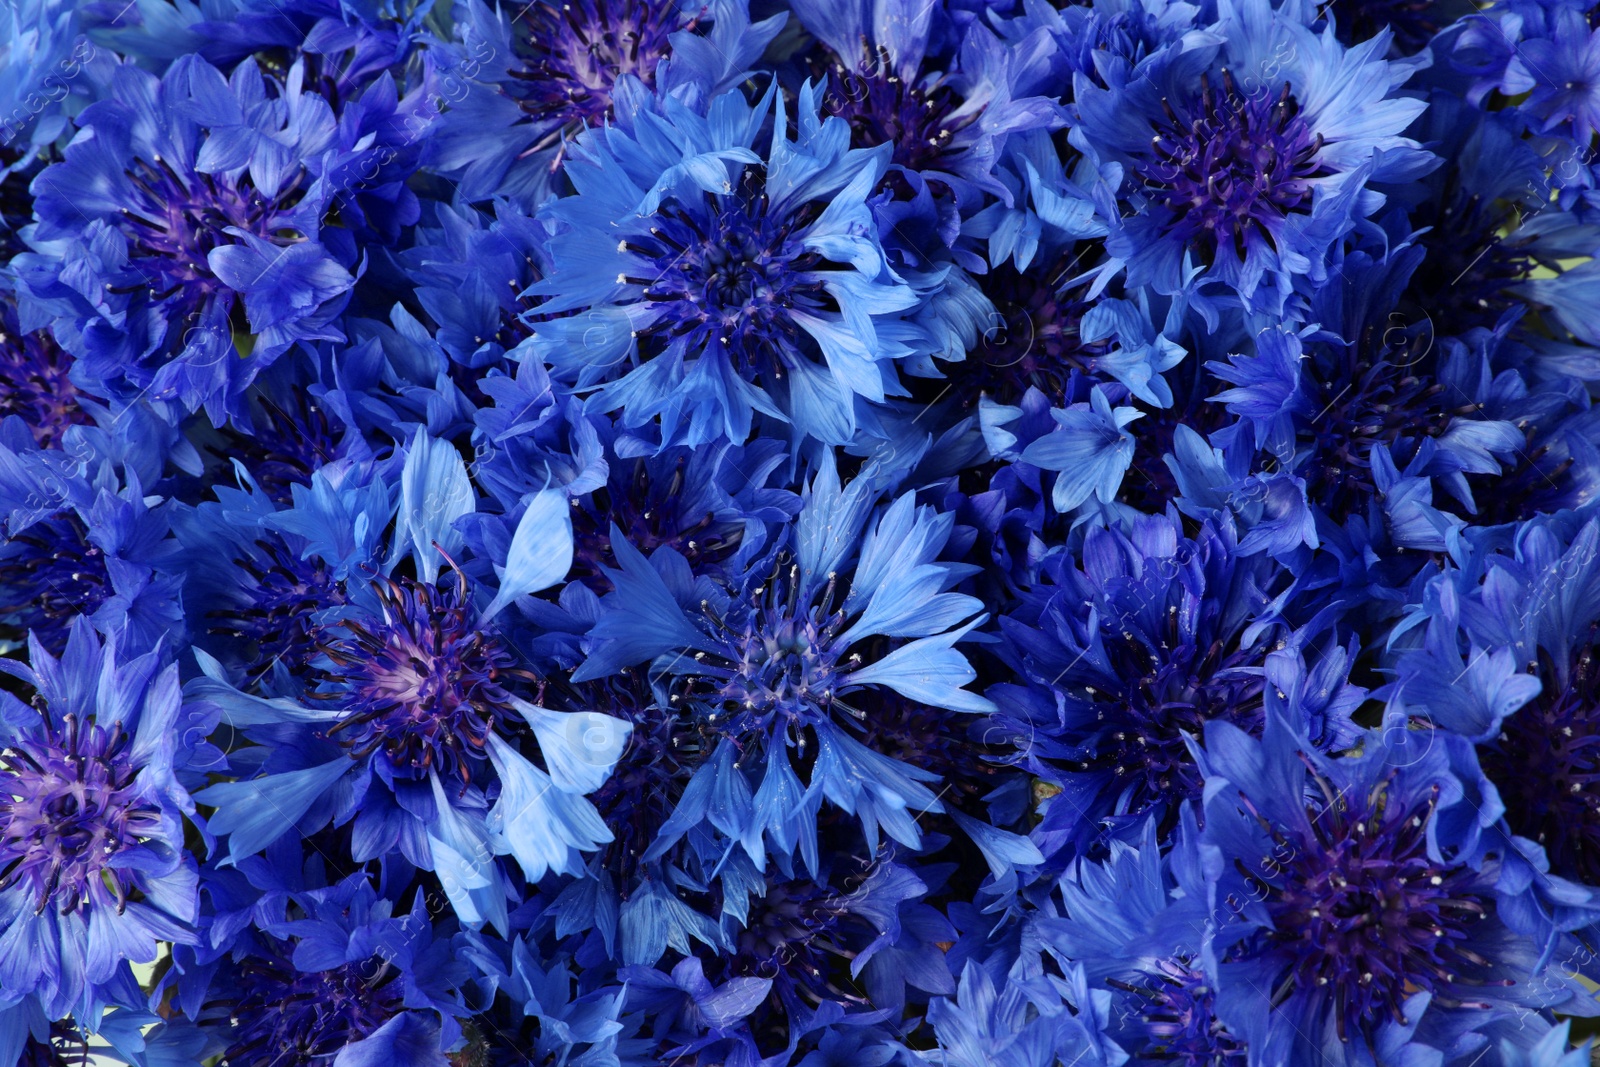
[(799, 533)]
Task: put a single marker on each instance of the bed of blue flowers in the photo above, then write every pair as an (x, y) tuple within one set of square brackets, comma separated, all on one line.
[(799, 533)]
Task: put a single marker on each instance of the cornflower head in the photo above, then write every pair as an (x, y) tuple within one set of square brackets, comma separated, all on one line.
[(409, 713), (531, 84), (1498, 649), (777, 659), (1125, 658), (94, 874), (946, 108), (1247, 156), (709, 267), (797, 949), (179, 256), (340, 974), (78, 540), (1357, 901), (1377, 411)]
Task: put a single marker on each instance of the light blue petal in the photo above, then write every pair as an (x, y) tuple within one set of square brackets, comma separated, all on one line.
[(580, 747), (1003, 850), (242, 709), (257, 812), (929, 670), (463, 862), (543, 827), (541, 550), (407, 1040), (434, 492), (736, 999)]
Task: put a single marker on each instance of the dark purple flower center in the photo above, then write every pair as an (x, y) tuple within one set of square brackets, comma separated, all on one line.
[(1167, 686), (650, 513), (68, 805), (1034, 342), (798, 934), (780, 663), (1178, 1019), (1546, 765), (279, 622), (1380, 390), (288, 445), (787, 664), (883, 108), (49, 573), (1361, 913), (421, 684), (727, 274), (290, 1018), (173, 223), (1466, 278), (1232, 167), (574, 52), (34, 382), (665, 748)]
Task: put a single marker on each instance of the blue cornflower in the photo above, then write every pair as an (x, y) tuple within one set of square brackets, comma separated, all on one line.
[(35, 382), (405, 715), (287, 430), (1565, 70), (76, 541), (341, 975), (1136, 924), (1046, 332), (522, 83), (1505, 659), (1249, 147), (700, 280), (858, 952), (1365, 400), (776, 657), (533, 435), (1468, 215), (173, 245), (1123, 662), (94, 874), (261, 591), (1357, 894), (700, 501), (1506, 232), (947, 117)]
